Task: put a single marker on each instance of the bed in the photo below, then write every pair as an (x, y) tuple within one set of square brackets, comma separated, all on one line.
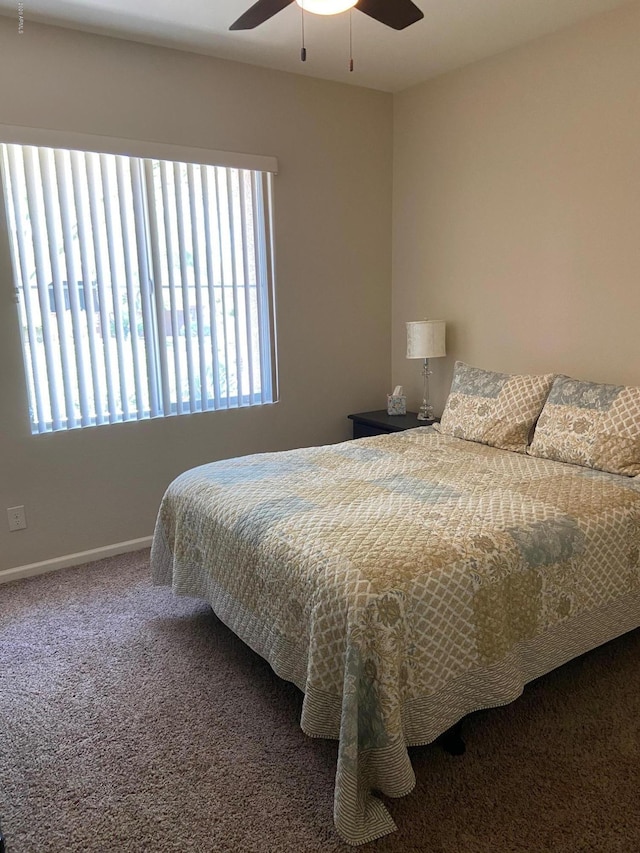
[(402, 582)]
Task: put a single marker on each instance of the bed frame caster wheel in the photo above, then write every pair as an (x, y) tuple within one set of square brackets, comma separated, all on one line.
[(451, 741)]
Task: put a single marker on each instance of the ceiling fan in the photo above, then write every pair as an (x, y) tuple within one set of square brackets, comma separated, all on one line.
[(397, 14)]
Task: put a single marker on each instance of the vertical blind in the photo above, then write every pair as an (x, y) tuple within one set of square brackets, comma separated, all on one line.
[(145, 286)]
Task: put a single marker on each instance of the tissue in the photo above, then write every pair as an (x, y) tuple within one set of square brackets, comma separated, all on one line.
[(396, 402)]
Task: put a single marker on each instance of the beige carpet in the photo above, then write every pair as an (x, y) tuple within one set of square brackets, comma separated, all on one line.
[(134, 721)]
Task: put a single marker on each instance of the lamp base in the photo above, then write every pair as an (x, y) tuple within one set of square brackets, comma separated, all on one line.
[(426, 409), (426, 412)]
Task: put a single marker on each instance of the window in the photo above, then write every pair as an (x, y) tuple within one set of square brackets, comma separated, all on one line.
[(145, 286)]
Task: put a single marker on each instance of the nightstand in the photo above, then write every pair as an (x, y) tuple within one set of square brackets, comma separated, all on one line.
[(380, 423)]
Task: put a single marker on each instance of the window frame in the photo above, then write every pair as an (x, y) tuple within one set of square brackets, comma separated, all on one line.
[(87, 143)]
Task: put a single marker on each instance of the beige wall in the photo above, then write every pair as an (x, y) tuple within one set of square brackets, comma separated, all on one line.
[(516, 215), (94, 487), (517, 208)]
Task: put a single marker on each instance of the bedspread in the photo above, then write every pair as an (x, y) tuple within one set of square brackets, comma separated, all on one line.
[(401, 582)]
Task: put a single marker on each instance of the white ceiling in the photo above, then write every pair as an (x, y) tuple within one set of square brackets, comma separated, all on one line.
[(453, 33)]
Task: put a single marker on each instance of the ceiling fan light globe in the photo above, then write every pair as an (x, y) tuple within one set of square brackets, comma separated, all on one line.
[(326, 7)]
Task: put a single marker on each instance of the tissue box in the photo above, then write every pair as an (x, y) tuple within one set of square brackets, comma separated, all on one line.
[(396, 405)]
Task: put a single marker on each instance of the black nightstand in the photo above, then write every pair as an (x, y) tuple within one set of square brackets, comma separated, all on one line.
[(380, 423)]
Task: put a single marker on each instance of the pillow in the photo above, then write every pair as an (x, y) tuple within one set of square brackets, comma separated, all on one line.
[(494, 408), (589, 424)]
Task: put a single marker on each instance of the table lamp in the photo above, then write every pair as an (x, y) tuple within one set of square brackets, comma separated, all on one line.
[(426, 339)]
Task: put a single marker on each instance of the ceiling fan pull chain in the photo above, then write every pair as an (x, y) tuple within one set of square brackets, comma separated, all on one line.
[(303, 49), (351, 39)]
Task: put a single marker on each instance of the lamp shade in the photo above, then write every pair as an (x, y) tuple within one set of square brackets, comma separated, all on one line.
[(426, 339)]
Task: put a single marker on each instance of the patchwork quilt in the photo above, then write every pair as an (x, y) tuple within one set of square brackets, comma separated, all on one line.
[(401, 582)]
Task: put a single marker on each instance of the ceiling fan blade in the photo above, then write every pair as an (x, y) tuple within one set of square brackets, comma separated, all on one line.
[(394, 13), (259, 13)]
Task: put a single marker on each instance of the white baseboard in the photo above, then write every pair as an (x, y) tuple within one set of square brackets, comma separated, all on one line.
[(74, 559)]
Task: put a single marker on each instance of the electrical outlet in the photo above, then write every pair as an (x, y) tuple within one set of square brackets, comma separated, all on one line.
[(17, 518)]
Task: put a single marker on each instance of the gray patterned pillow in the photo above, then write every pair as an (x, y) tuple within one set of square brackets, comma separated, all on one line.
[(499, 409), (590, 424)]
